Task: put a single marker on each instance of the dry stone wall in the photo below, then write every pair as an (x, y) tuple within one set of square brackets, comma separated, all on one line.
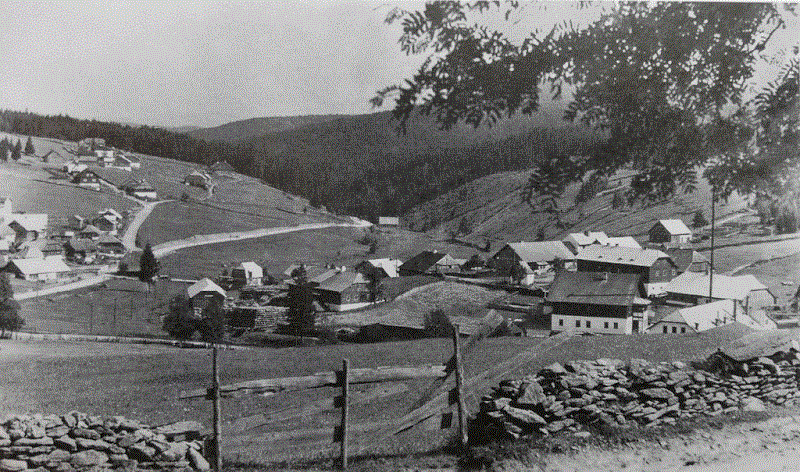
[(76, 441), (636, 393)]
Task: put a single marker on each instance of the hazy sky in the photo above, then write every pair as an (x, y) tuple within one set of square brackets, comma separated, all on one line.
[(200, 62)]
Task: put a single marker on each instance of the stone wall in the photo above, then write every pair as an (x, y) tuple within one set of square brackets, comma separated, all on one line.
[(76, 441), (635, 393)]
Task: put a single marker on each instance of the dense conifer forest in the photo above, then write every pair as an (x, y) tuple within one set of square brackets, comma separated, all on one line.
[(355, 165)]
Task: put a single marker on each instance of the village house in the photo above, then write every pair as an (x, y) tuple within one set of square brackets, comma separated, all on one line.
[(196, 179), (7, 237), (40, 269), (29, 251), (655, 267), (133, 162), (87, 179), (73, 167), (203, 292), (386, 267), (687, 259), (577, 241), (693, 288), (89, 144), (121, 163), (221, 166), (111, 214), (104, 156), (703, 317), (28, 227), (76, 222), (6, 208), (598, 302), (389, 221), (342, 291), (52, 247), (248, 273), (429, 263), (670, 232), (535, 258), (141, 190), (110, 246), (90, 232), (81, 251), (105, 224)]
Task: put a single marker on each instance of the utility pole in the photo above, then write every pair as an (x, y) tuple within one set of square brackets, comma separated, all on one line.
[(713, 223)]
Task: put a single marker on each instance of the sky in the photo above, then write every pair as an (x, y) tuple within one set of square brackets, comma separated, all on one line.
[(202, 62)]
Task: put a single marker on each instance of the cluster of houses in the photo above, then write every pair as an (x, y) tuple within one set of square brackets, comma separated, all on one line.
[(94, 152), (25, 249), (90, 240), (589, 282), (94, 166)]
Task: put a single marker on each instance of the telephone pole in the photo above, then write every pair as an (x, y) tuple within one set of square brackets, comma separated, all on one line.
[(713, 223)]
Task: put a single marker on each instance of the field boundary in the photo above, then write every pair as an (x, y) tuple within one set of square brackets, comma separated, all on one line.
[(22, 336)]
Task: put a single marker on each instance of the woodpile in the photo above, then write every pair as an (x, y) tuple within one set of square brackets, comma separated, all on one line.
[(76, 441), (635, 393)]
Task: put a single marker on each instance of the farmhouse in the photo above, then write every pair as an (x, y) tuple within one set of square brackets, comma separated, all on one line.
[(389, 221), (91, 143), (344, 290), (121, 163), (687, 259), (577, 241), (693, 288), (203, 292), (87, 179), (428, 262), (76, 222), (105, 156), (141, 190), (91, 232), (74, 167), (386, 267), (597, 302), (109, 245), (28, 226), (83, 251), (196, 179), (40, 269), (111, 214), (699, 318), (104, 223), (539, 257), (670, 232), (654, 266), (248, 273)]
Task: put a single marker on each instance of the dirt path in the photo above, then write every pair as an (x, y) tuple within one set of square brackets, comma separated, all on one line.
[(129, 238)]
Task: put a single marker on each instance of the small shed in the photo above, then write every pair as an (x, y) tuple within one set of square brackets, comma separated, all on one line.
[(248, 273), (203, 292), (673, 232)]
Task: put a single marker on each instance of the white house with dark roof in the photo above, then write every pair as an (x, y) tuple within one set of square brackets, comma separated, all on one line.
[(43, 269), (693, 288), (670, 232), (538, 256)]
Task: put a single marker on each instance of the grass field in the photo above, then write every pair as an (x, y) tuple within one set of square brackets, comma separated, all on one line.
[(146, 385)]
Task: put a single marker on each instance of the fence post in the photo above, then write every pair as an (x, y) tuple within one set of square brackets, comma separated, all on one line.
[(345, 388), (459, 371), (217, 420)]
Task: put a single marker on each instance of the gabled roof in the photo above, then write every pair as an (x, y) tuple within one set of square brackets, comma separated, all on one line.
[(703, 317), (675, 227), (541, 251), (204, 285), (31, 252), (594, 288), (341, 281), (111, 212), (725, 287), (108, 239), (620, 255), (589, 237), (251, 266), (47, 265), (682, 257), (320, 277), (388, 265), (82, 245), (623, 241), (92, 229), (30, 221), (422, 261), (311, 271)]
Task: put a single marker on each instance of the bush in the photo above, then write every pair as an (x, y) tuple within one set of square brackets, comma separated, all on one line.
[(437, 324), (181, 322), (9, 317)]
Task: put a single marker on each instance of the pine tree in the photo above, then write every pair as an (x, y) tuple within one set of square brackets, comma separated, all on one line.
[(148, 264), (29, 150), (699, 220), (4, 148), (16, 151)]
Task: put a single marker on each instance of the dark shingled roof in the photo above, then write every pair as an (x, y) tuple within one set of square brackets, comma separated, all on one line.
[(422, 261), (594, 288)]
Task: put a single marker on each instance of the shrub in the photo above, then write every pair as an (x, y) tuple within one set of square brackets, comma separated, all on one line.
[(181, 322), (9, 317), (437, 324)]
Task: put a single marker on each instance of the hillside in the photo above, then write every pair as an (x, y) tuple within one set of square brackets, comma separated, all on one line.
[(253, 127), (493, 207)]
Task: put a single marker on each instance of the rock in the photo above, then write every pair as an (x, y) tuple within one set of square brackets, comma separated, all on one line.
[(753, 404), (96, 444), (34, 432), (38, 460), (556, 426), (532, 394), (524, 416), (88, 458), (198, 461), (64, 467), (85, 433), (583, 434), (11, 465), (45, 441), (66, 443), (657, 393), (70, 420), (57, 431), (180, 428), (126, 441), (59, 455), (141, 452)]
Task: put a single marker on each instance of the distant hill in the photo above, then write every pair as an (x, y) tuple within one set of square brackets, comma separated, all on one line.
[(493, 207), (253, 127), (183, 129)]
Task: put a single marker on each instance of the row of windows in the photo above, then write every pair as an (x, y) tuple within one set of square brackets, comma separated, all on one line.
[(589, 324), (674, 329)]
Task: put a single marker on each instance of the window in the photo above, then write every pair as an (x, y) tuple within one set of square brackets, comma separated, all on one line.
[(561, 322), (605, 325), (616, 325), (665, 329), (577, 323), (683, 329), (588, 324), (674, 329)]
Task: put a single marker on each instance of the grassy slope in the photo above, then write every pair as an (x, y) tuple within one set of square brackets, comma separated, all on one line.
[(495, 203), (146, 386)]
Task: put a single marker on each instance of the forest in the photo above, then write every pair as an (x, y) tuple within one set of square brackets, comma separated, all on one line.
[(359, 165)]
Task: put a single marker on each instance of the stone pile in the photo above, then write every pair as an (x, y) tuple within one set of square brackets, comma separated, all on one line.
[(623, 394), (76, 441)]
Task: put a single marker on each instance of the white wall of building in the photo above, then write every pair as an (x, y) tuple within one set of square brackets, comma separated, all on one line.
[(593, 324)]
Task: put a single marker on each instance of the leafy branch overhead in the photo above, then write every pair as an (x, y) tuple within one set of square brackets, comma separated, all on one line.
[(658, 79)]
